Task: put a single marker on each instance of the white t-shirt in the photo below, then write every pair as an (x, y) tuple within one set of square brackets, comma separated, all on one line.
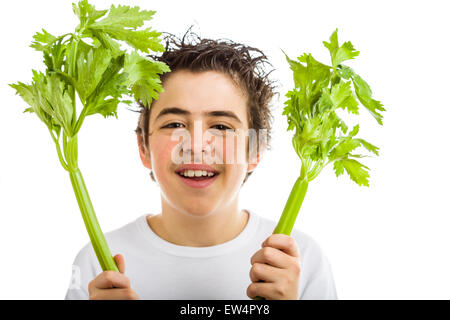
[(158, 269)]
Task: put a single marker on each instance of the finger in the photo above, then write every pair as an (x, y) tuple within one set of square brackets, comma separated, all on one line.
[(120, 262), (264, 272), (273, 257), (114, 294), (111, 279), (283, 242), (261, 289)]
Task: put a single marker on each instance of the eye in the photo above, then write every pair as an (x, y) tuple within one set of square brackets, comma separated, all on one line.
[(171, 125), (223, 127)]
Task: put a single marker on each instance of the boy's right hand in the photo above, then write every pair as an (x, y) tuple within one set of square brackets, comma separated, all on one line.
[(112, 285)]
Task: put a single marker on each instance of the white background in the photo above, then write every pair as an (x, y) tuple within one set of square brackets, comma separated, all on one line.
[(388, 241)]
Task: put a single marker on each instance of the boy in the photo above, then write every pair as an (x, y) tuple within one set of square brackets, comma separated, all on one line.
[(201, 245)]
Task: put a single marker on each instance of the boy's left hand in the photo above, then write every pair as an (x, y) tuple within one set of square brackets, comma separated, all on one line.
[(277, 264)]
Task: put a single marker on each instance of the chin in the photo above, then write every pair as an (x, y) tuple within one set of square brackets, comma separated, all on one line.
[(197, 209)]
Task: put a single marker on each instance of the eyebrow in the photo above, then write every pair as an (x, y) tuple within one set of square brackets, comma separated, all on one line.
[(215, 113)]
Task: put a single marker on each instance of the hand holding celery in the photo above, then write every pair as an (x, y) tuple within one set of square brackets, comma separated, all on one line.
[(320, 135), (89, 64), (110, 285)]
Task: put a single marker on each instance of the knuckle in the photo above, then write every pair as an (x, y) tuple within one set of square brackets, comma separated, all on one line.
[(291, 243), (125, 280), (267, 254), (256, 269), (269, 240), (108, 276), (253, 274), (251, 290), (296, 268), (252, 259)]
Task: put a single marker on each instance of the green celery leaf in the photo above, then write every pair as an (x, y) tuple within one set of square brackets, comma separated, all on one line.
[(314, 74), (341, 124), (364, 95), (356, 171), (338, 167), (126, 17), (318, 74), (354, 131), (325, 102), (296, 108), (42, 40), (345, 72), (346, 145), (309, 79), (338, 53), (320, 135), (86, 13), (122, 23), (56, 101), (313, 140), (370, 147), (30, 96), (363, 92), (49, 100), (91, 67), (107, 108), (351, 155), (342, 97), (113, 85), (106, 41), (143, 77)]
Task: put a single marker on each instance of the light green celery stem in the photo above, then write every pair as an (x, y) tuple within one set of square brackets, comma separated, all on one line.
[(58, 150), (315, 171), (292, 207), (98, 240)]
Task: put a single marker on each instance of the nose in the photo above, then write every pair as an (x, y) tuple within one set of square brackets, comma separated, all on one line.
[(195, 144)]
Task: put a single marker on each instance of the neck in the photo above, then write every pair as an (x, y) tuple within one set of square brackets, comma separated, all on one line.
[(183, 229)]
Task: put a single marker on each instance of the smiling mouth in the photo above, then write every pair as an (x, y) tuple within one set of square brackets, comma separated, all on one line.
[(200, 178)]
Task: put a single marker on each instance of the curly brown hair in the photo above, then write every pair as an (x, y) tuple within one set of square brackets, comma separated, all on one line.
[(244, 65)]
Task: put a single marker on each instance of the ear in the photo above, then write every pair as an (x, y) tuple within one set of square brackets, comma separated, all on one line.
[(144, 153), (252, 166)]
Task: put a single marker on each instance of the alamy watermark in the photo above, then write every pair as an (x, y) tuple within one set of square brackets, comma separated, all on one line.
[(75, 281)]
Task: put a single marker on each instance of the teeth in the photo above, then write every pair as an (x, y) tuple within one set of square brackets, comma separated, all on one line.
[(199, 173), (196, 173)]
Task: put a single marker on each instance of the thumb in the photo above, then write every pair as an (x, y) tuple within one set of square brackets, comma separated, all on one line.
[(120, 262)]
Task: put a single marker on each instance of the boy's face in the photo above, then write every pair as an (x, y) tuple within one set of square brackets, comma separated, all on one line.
[(197, 94)]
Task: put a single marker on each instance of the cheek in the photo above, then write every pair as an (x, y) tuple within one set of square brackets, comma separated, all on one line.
[(161, 148)]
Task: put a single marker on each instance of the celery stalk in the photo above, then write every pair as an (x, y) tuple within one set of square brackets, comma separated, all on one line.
[(91, 66), (291, 210), (90, 220), (321, 136), (292, 207)]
